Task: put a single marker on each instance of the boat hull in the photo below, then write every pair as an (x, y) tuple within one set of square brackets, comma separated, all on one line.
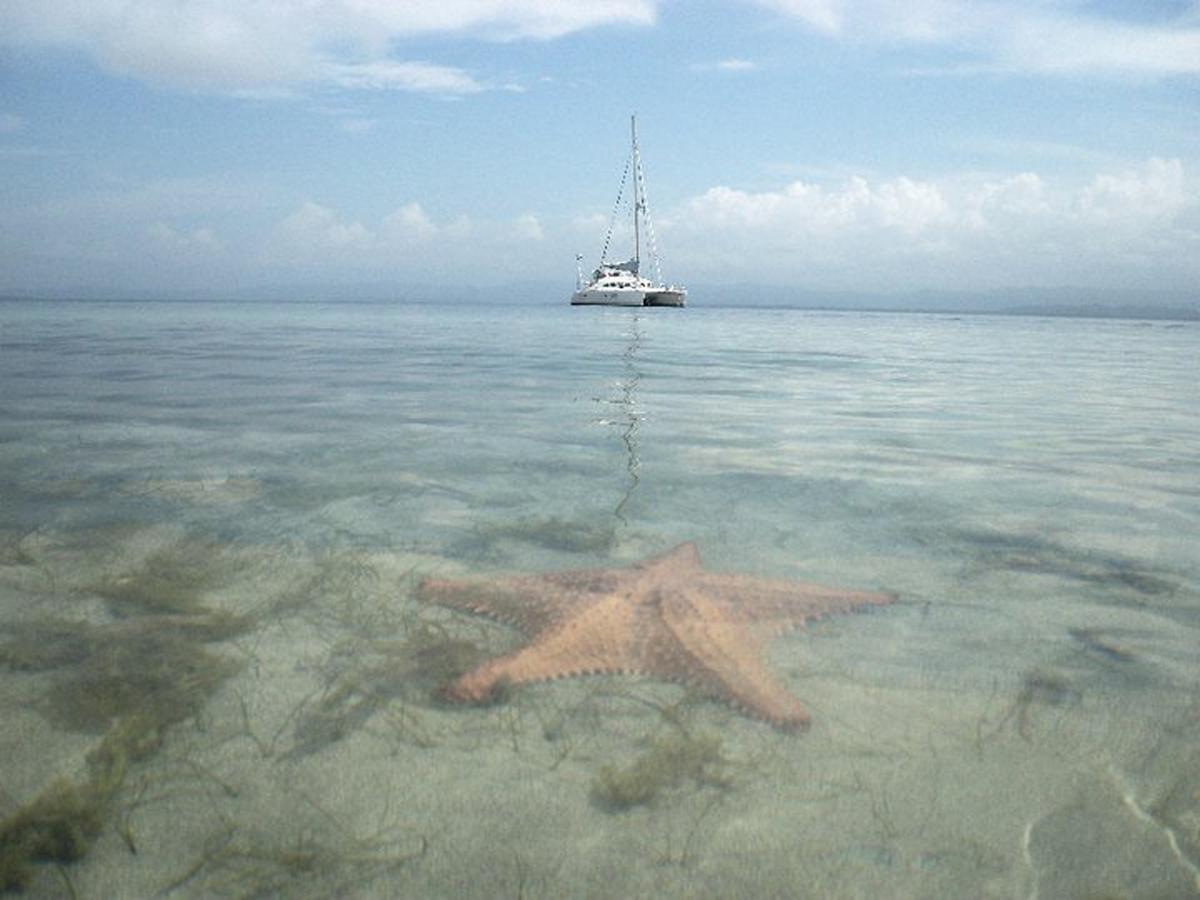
[(666, 298), (589, 297)]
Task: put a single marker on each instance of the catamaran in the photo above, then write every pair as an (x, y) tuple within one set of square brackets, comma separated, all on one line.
[(621, 283)]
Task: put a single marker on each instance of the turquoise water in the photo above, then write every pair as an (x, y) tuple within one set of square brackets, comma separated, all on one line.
[(1020, 723)]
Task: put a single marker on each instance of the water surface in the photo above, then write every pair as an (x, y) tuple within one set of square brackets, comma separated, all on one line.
[(214, 517)]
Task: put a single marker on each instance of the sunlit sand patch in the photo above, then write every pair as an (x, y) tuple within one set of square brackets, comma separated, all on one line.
[(1100, 843)]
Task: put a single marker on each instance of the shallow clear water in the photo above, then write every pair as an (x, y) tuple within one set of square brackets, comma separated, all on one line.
[(214, 518)]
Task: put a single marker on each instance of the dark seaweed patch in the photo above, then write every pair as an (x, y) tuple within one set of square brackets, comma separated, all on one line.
[(160, 677), (60, 824), (1100, 645), (1040, 556), (667, 763), (414, 671)]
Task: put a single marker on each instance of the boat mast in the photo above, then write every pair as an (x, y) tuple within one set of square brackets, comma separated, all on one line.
[(637, 193)]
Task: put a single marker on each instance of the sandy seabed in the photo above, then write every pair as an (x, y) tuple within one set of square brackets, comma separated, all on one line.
[(277, 732)]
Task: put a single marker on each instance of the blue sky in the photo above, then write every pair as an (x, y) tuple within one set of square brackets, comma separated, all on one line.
[(215, 146)]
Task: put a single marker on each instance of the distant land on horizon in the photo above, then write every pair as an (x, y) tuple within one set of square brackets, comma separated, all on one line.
[(1056, 302)]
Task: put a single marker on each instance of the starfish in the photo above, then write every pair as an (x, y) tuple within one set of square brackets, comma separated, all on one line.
[(666, 617)]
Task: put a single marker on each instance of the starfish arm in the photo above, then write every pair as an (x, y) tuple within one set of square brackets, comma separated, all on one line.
[(682, 559), (725, 658), (784, 603), (599, 639), (528, 602)]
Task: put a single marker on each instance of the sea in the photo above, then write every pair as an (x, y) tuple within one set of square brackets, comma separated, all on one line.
[(219, 675)]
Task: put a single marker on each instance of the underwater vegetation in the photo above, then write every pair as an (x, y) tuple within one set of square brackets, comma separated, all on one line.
[(413, 671), (1094, 641), (37, 646), (171, 580), (60, 824), (668, 763), (159, 677), (151, 666), (1038, 555), (12, 551), (1040, 689), (128, 680), (314, 858), (343, 593)]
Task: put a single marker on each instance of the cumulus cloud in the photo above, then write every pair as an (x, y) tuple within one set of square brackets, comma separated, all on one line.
[(1154, 193), (317, 230), (958, 231), (903, 204), (319, 237), (409, 222), (1049, 36), (527, 227), (1115, 226), (265, 45)]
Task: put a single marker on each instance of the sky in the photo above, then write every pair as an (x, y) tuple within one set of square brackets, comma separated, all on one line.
[(224, 147)]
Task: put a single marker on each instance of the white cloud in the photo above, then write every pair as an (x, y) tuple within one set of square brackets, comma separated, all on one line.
[(317, 236), (964, 231), (265, 46), (730, 65), (528, 228), (1073, 44), (500, 19), (591, 223), (1117, 226), (736, 65), (1007, 202), (1156, 192), (824, 15), (409, 222), (460, 227), (903, 205), (409, 243), (1049, 36), (421, 77), (318, 230), (203, 240)]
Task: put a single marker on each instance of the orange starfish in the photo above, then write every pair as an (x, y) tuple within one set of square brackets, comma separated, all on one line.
[(666, 618)]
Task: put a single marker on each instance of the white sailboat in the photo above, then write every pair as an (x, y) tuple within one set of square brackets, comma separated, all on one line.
[(621, 283)]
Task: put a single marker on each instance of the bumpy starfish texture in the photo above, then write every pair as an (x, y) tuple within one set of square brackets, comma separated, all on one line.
[(666, 617)]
